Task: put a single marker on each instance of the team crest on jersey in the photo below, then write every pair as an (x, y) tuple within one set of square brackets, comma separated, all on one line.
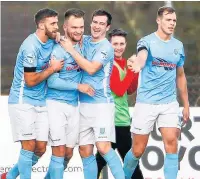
[(176, 51), (104, 54), (102, 131)]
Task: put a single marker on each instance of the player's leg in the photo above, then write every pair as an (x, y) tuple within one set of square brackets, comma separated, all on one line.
[(25, 159), (42, 132), (89, 161), (56, 166), (22, 121), (111, 158), (169, 126), (57, 137), (101, 163), (41, 128), (124, 141), (144, 117), (132, 157), (170, 140), (68, 155), (87, 140), (104, 135), (72, 131)]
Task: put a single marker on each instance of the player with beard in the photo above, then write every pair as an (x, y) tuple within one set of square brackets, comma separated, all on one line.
[(97, 112), (27, 98), (62, 97)]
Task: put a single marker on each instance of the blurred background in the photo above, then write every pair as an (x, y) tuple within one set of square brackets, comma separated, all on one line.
[(137, 18)]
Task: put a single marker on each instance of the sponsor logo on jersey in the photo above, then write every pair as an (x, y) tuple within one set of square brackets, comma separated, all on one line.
[(159, 62)]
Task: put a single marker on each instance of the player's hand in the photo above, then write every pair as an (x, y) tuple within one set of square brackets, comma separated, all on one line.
[(133, 64), (186, 114), (58, 37), (67, 44), (56, 65), (87, 89)]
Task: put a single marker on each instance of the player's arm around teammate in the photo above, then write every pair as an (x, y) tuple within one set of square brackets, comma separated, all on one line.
[(32, 77), (90, 66), (97, 113), (62, 97), (27, 98)]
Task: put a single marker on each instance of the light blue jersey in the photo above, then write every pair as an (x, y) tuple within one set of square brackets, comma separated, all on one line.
[(104, 53), (63, 86), (157, 84), (33, 54)]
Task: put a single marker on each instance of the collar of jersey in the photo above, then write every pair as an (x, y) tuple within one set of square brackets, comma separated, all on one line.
[(40, 40), (165, 41), (98, 41)]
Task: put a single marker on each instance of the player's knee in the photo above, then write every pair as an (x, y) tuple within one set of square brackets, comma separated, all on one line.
[(85, 151), (68, 153), (40, 149), (29, 145), (58, 151), (138, 151), (103, 147), (171, 145)]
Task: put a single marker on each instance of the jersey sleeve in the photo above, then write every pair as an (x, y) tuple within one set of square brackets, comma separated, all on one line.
[(182, 58), (104, 55), (30, 58), (142, 44), (55, 82), (85, 44)]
